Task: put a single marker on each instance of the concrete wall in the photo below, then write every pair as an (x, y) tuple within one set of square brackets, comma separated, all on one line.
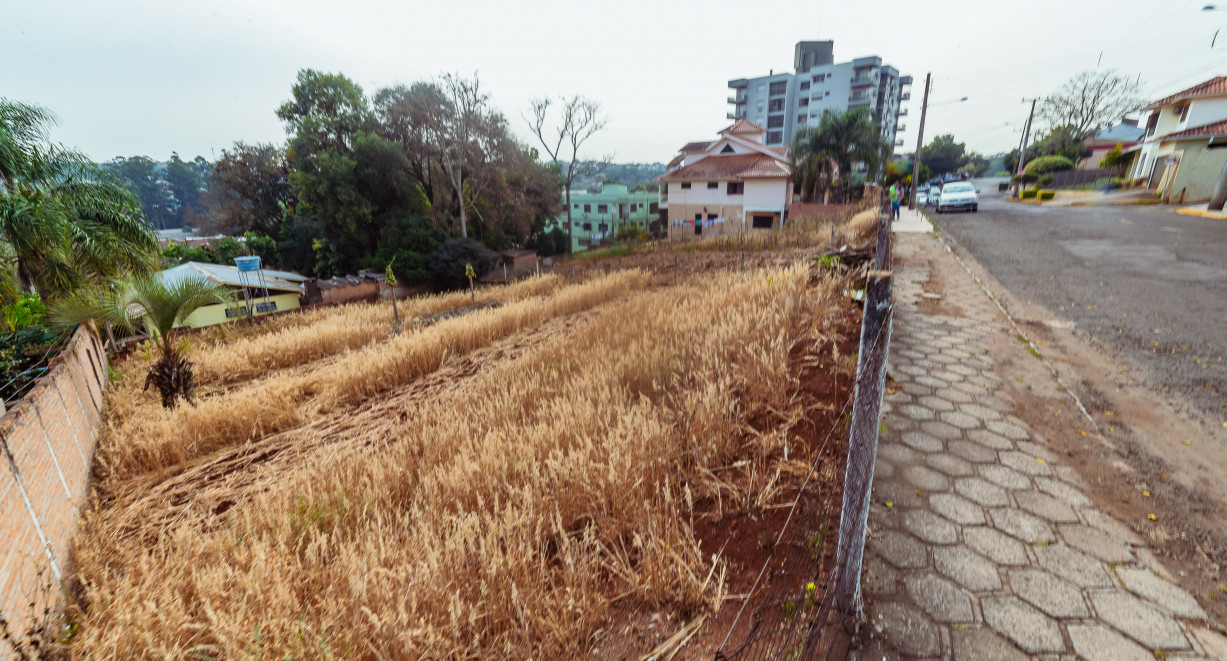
[(216, 314), (1196, 173), (1204, 111), (766, 195), (48, 446)]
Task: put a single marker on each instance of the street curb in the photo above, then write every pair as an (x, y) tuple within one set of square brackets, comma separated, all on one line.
[(1017, 329), (1213, 215)]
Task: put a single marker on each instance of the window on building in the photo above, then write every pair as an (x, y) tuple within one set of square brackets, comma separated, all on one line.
[(712, 216), (1184, 113), (828, 93), (587, 227), (653, 208), (603, 227), (779, 88), (576, 206), (804, 85), (820, 78), (685, 185), (775, 121), (698, 223), (801, 119), (775, 137), (728, 149), (1151, 123), (804, 103), (587, 208), (602, 208), (763, 222), (776, 105), (713, 184), (736, 188)]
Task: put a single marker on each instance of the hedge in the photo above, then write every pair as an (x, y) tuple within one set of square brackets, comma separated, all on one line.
[(1047, 194), (1046, 164), (1028, 194)]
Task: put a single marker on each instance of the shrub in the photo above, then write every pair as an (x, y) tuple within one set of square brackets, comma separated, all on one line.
[(1028, 194), (1044, 180), (447, 262), (1046, 194), (1046, 164)]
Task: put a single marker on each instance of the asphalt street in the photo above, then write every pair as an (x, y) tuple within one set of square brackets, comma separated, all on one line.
[(1148, 283)]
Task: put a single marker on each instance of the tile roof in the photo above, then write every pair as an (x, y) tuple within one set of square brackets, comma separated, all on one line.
[(743, 126), (731, 166), (782, 151), (1203, 131), (698, 145), (1216, 86)]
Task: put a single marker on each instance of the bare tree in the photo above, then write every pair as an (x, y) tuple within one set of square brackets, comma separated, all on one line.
[(579, 119), (465, 138), (1092, 99)]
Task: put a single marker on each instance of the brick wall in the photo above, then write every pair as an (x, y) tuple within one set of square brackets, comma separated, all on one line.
[(48, 443)]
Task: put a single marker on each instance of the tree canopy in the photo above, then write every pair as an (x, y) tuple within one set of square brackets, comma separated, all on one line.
[(1091, 100)]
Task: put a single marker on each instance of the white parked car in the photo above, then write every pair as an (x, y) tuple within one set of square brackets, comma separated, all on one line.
[(958, 195)]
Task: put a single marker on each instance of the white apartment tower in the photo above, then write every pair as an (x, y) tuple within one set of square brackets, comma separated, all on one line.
[(787, 102)]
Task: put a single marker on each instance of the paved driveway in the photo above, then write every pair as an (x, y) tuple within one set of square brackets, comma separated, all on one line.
[(1149, 283)]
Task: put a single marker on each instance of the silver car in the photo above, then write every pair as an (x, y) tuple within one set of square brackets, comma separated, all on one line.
[(958, 195)]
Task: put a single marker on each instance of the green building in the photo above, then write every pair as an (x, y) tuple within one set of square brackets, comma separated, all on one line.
[(598, 216)]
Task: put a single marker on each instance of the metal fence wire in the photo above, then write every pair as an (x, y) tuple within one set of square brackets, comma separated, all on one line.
[(806, 601)]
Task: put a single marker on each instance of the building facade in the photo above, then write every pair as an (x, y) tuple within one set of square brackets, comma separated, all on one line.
[(598, 215), (785, 103), (728, 186), (1190, 115)]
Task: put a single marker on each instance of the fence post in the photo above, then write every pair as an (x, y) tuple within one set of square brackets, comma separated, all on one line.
[(863, 437)]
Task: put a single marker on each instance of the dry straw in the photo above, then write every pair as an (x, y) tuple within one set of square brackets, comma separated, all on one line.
[(503, 520)]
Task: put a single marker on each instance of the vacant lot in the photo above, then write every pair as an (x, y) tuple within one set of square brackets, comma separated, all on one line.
[(516, 480)]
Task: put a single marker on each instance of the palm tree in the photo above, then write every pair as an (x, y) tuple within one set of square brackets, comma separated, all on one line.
[(64, 222), (846, 139), (141, 300), (812, 169)]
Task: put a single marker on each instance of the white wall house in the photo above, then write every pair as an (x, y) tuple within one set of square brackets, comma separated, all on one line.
[(731, 185), (1180, 113)]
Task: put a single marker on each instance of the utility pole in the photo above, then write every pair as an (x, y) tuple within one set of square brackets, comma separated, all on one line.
[(920, 141), (1022, 149)]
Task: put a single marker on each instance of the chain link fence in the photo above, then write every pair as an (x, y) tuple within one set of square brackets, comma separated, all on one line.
[(806, 601)]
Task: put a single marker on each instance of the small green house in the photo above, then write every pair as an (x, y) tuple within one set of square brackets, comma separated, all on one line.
[(598, 215)]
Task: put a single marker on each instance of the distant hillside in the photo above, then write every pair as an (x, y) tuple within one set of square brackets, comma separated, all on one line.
[(593, 174)]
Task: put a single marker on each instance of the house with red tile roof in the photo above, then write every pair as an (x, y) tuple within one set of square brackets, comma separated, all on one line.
[(1185, 145), (727, 186)]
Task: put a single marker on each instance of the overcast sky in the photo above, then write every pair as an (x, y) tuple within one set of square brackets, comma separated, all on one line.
[(153, 77)]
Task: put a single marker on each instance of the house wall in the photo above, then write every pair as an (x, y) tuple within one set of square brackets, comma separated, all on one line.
[(766, 194), (48, 446), (1205, 111), (210, 315), (1196, 173)]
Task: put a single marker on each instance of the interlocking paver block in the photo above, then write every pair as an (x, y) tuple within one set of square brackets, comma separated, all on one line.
[(1025, 463), (1063, 491), (1030, 629), (1106, 523), (974, 572), (950, 465), (941, 430), (1095, 542), (916, 412), (1169, 597), (899, 549), (883, 470), (990, 439), (880, 578), (936, 402), (981, 644), (1140, 622), (1099, 643), (979, 411), (926, 478), (1048, 593), (957, 509), (1036, 450), (1018, 523), (1007, 429), (1046, 507), (941, 599), (921, 442), (960, 419), (1073, 566), (900, 454), (1004, 476), (981, 491), (996, 545), (907, 629), (972, 451), (930, 527)]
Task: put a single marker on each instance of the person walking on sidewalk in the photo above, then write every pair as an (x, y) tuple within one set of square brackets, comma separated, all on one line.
[(896, 199)]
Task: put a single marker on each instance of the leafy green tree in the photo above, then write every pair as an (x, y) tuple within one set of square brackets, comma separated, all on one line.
[(1060, 141), (186, 184), (1046, 164), (63, 221), (148, 302), (846, 139), (447, 263), (943, 154), (1090, 100), (249, 190), (144, 180)]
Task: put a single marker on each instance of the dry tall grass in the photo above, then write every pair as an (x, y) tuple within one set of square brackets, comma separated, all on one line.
[(145, 439), (503, 522), (334, 330)]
